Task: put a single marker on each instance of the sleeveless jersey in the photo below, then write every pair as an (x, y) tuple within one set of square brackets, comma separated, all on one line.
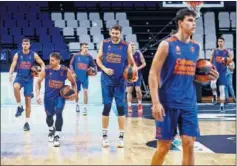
[(177, 88), (137, 59), (114, 57), (218, 55), (54, 81)]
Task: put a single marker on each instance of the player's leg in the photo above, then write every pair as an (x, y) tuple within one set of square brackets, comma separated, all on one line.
[(129, 96), (77, 97), (119, 94), (230, 86), (165, 132), (222, 97), (60, 103), (107, 95), (189, 130), (214, 92), (139, 94), (85, 95), (28, 91), (17, 87)]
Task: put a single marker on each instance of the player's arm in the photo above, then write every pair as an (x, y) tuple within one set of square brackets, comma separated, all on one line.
[(143, 62), (92, 63), (13, 66), (155, 70), (130, 57), (38, 85), (211, 56), (39, 61), (231, 66), (72, 80), (230, 56), (72, 64)]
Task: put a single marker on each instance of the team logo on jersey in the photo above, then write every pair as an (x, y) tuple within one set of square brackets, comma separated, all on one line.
[(109, 47), (192, 49), (120, 47), (177, 50)]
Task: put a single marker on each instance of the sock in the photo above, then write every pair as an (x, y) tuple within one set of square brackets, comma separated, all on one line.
[(85, 106), (121, 134), (222, 104), (139, 102), (51, 128), (27, 120), (57, 133), (19, 104), (105, 131), (129, 104), (214, 93)]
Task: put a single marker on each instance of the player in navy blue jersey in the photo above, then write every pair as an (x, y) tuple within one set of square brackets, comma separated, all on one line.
[(79, 64), (113, 55), (24, 60), (55, 76), (172, 89)]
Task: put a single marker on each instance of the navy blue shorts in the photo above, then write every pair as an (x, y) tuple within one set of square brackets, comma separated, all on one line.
[(53, 106), (222, 78), (113, 91), (185, 120), (27, 84), (84, 84)]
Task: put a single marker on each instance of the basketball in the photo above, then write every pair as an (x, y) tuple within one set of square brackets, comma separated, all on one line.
[(66, 91), (226, 61), (91, 71), (35, 70), (203, 68), (130, 74)]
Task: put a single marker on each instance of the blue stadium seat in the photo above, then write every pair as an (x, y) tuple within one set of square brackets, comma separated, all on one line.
[(46, 53), (44, 16), (17, 38), (6, 39), (47, 23), (15, 31), (22, 23), (35, 23), (36, 47), (29, 31)]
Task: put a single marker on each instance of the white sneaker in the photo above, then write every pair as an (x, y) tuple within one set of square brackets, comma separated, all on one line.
[(85, 112), (105, 142), (51, 135), (120, 143), (56, 142)]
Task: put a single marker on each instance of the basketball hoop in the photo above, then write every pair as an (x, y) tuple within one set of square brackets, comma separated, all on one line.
[(195, 6)]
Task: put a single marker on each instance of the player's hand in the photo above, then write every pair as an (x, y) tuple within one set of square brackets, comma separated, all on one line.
[(109, 71), (158, 112), (39, 99), (72, 97), (10, 78), (213, 74)]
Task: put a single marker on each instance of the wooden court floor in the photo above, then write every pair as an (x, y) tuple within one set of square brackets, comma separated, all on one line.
[(81, 140)]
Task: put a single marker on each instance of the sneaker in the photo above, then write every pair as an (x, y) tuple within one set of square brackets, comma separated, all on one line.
[(120, 143), (51, 135), (139, 107), (85, 112), (214, 100), (56, 142), (177, 142), (222, 110), (234, 100), (129, 109), (105, 142), (77, 108), (19, 111), (26, 127)]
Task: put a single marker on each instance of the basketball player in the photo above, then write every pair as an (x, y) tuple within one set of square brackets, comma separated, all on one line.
[(55, 76), (24, 60), (219, 57), (229, 75), (140, 63), (112, 57), (174, 104), (79, 64)]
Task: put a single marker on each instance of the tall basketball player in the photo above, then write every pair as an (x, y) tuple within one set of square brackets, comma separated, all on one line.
[(174, 103), (55, 76), (112, 57), (141, 63), (220, 57), (79, 64), (24, 60)]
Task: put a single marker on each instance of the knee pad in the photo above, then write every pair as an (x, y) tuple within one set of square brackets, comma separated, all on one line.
[(107, 108), (120, 110), (222, 92), (213, 84), (49, 121)]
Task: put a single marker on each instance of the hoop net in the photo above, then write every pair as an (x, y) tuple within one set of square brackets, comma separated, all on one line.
[(195, 6)]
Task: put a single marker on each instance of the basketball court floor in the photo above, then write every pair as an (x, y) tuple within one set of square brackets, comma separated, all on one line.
[(81, 135)]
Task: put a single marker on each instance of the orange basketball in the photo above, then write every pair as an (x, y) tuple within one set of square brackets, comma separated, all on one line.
[(130, 74), (66, 91), (203, 68), (91, 71)]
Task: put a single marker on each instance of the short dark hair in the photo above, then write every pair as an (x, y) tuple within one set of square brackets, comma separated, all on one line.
[(81, 44), (25, 40), (222, 38), (56, 55), (180, 15), (116, 27)]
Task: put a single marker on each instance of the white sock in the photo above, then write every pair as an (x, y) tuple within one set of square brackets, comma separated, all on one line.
[(129, 104), (139, 102), (51, 128), (19, 104), (85, 106), (222, 104), (77, 103), (105, 132), (121, 133), (57, 133), (27, 120), (214, 93)]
